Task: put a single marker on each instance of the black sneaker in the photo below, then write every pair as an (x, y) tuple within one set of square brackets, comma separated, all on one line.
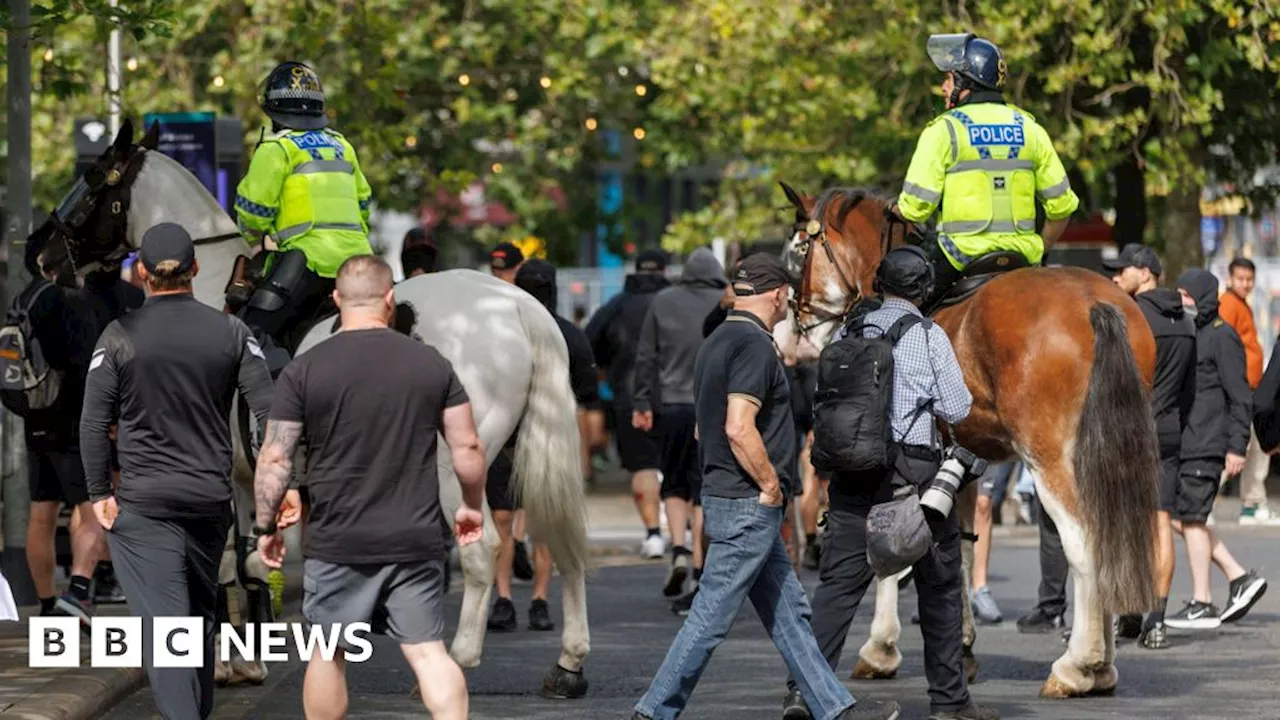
[(684, 603), (1040, 622), (520, 565), (1129, 626), (540, 616), (503, 616), (795, 708), (812, 556), (973, 712), (1154, 637), (106, 589), (1245, 591), (868, 710), (677, 574), (68, 606), (1195, 615)]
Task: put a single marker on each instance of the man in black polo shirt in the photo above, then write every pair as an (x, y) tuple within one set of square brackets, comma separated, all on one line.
[(747, 447), (373, 543), (168, 373)]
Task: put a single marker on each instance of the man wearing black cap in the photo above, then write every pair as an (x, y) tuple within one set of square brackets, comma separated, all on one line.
[(504, 261), (748, 447), (614, 333), (927, 384), (166, 374)]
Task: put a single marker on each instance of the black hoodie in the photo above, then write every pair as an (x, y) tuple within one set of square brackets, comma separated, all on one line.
[(1174, 388), (538, 278), (1223, 407), (614, 332)]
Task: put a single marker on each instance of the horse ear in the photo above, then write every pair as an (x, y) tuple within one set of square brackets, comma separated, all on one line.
[(792, 195), (124, 138), (152, 137)]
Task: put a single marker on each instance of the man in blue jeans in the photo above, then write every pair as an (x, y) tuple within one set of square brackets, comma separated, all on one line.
[(747, 451)]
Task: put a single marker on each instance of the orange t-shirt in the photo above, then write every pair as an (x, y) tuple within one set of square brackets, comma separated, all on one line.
[(1236, 312)]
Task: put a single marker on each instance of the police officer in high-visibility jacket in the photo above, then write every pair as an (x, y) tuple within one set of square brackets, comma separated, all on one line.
[(305, 189), (986, 163)]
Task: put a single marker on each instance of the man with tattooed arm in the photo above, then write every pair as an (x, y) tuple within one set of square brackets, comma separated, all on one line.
[(372, 545)]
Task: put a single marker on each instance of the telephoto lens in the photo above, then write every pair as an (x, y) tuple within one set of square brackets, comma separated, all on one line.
[(938, 499)]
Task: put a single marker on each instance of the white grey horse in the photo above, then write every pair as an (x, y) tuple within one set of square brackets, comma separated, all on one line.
[(512, 361)]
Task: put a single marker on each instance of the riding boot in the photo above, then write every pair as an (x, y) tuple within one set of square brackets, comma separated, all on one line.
[(944, 276)]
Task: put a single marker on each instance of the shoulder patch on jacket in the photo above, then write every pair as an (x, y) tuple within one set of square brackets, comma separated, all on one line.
[(1219, 322)]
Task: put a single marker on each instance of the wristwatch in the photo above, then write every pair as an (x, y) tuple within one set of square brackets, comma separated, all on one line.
[(269, 530)]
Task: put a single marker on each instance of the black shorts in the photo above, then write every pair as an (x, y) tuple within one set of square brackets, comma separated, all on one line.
[(681, 469), (57, 477), (1169, 472), (637, 449), (498, 488), (1198, 482)]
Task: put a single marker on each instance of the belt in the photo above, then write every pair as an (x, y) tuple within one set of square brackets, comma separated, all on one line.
[(921, 452)]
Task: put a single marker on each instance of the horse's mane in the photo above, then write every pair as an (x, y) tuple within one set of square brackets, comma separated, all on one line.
[(848, 198), (177, 196)]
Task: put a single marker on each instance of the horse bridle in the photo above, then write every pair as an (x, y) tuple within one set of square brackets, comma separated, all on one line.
[(115, 184), (814, 230)]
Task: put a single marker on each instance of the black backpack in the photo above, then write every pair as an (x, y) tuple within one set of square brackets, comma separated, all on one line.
[(852, 405), (27, 382)]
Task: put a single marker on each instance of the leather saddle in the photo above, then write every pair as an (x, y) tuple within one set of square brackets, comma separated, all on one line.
[(981, 271)]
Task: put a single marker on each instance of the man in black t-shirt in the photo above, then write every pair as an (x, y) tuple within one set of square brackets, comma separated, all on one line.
[(747, 447), (372, 544)]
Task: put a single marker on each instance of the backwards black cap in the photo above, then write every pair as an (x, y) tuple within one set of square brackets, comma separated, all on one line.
[(1135, 255), (505, 256), (170, 245)]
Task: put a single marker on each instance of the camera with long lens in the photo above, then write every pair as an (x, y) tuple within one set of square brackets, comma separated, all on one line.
[(959, 466)]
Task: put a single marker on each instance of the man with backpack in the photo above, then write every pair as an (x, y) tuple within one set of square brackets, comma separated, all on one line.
[(45, 348), (868, 461)]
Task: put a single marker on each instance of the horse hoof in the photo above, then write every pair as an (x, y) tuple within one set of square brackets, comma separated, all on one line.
[(970, 665), (254, 673), (1104, 682), (1056, 689), (561, 684), (863, 670)]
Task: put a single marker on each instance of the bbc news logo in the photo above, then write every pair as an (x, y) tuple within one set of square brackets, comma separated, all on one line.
[(54, 642)]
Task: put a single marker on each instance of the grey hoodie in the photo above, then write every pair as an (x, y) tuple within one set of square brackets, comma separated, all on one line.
[(672, 334)]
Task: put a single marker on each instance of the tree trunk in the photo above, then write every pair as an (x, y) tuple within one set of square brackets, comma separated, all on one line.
[(1180, 231), (1131, 202)]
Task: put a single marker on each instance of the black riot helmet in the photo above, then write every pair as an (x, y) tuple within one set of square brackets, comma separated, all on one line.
[(905, 272), (977, 63), (292, 97)]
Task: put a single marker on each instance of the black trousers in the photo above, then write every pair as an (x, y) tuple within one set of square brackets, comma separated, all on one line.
[(1053, 568), (846, 575), (170, 568), (310, 300)]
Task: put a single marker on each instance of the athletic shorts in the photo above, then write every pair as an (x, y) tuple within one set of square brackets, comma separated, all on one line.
[(681, 469), (57, 477), (498, 488), (1169, 447), (637, 449), (403, 601), (1198, 482)]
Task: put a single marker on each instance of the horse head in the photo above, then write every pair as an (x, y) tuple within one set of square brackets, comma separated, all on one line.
[(92, 218), (837, 241)]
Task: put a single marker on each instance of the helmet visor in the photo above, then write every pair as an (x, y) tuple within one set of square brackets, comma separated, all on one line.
[(947, 51)]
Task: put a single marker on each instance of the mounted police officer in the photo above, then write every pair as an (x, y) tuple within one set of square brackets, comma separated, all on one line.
[(990, 160), (305, 189)]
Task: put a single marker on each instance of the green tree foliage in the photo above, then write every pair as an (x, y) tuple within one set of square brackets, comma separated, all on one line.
[(438, 95)]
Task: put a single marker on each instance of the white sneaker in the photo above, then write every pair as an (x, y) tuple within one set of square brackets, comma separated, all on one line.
[(1261, 515), (653, 547)]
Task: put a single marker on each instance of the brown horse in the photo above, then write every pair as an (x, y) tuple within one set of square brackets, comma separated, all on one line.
[(1059, 362)]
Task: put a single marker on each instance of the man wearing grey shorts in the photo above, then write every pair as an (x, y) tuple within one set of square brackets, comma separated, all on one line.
[(373, 541)]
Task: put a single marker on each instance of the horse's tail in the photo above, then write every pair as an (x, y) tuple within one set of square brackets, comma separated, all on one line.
[(547, 471), (1117, 469)]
